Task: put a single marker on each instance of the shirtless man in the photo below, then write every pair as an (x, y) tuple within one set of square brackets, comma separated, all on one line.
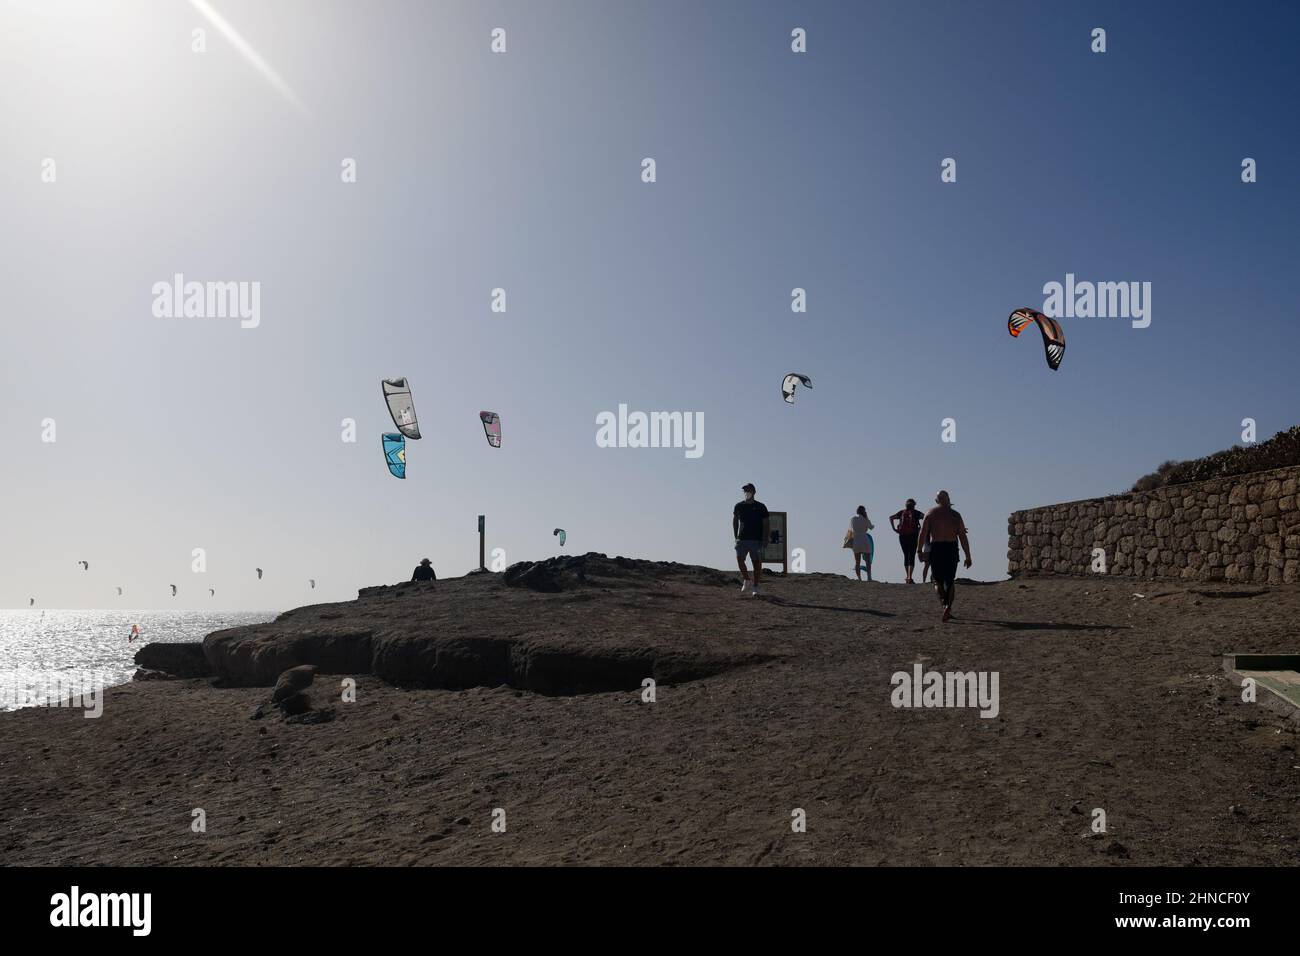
[(943, 528)]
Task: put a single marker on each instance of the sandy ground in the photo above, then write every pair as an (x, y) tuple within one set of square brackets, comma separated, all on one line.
[(1107, 700)]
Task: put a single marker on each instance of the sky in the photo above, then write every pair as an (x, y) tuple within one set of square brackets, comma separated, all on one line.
[(522, 170)]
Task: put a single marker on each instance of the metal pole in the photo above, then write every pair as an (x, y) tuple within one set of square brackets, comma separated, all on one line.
[(481, 565)]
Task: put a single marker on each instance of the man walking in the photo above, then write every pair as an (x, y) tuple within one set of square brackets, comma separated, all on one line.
[(943, 528), (749, 525)]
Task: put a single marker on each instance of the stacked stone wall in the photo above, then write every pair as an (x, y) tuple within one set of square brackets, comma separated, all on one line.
[(1245, 528)]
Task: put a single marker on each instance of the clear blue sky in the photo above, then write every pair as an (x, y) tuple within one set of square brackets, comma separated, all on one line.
[(522, 170)]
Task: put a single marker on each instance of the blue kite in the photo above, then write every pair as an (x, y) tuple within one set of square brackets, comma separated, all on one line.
[(395, 454)]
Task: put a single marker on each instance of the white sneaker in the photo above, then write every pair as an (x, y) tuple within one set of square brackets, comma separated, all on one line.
[(753, 592)]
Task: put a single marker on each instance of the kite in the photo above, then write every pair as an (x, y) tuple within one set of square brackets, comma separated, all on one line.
[(1053, 337), (397, 393), (395, 454), (560, 532), (788, 385), (491, 427), (31, 601), (312, 582), (85, 565), (211, 593), (119, 592), (173, 587), (259, 573)]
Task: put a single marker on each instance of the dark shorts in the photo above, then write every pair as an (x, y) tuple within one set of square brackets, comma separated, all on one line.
[(908, 544), (749, 549), (943, 560)]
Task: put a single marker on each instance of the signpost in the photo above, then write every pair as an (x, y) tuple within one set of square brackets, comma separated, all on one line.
[(776, 547), (481, 565)]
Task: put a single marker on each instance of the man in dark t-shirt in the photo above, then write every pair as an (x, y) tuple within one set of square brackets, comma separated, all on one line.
[(424, 571), (749, 525)]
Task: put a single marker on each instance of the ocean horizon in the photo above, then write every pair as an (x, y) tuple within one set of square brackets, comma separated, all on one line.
[(46, 648)]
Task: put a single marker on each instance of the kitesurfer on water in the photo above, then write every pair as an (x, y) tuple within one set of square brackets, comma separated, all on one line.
[(424, 571)]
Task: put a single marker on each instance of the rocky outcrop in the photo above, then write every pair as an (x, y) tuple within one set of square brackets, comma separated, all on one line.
[(566, 572), (1244, 529), (255, 656), (542, 626), (544, 667), (184, 660)]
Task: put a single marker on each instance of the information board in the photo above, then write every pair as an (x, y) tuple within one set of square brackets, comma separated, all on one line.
[(775, 548)]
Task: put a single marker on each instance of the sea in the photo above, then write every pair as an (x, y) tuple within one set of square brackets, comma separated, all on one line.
[(43, 653)]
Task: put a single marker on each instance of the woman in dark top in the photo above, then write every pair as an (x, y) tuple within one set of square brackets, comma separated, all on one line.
[(908, 525)]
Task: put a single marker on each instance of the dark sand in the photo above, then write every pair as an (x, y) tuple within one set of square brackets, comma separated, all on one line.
[(1107, 700)]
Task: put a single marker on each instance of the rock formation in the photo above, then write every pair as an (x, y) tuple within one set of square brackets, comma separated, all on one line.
[(573, 624)]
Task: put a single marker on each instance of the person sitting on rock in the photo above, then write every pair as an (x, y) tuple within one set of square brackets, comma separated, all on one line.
[(424, 571)]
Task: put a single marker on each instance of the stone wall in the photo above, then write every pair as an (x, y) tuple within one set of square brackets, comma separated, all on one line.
[(1245, 528)]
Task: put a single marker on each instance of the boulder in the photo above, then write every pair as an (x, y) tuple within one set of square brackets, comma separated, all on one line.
[(294, 704), (292, 682)]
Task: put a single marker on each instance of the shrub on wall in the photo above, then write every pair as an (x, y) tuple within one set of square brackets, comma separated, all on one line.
[(1280, 451)]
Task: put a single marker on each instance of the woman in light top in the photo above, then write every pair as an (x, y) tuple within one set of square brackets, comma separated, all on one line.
[(860, 525)]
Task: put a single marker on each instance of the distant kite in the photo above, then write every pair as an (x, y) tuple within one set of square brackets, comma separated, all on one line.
[(788, 385), (259, 573), (395, 454), (211, 592), (31, 601), (491, 427), (312, 582), (560, 532), (1053, 337), (119, 592), (173, 587), (85, 565), (397, 393)]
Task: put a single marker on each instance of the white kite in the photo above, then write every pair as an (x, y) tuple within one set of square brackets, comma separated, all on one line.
[(789, 383)]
